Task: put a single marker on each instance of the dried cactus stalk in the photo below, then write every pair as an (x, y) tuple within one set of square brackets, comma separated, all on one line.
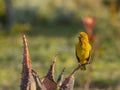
[(48, 84), (68, 83), (48, 81), (26, 69), (26, 56), (30, 79), (39, 85), (60, 79), (50, 74)]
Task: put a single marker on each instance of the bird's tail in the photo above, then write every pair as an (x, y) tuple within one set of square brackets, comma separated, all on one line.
[(83, 67)]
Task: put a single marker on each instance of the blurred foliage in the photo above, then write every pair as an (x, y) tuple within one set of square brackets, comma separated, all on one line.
[(108, 2), (20, 28), (2, 8)]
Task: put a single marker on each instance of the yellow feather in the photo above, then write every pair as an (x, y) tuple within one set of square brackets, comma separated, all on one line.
[(83, 49)]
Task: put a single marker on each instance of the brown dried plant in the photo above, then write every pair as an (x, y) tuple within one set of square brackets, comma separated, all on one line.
[(31, 81)]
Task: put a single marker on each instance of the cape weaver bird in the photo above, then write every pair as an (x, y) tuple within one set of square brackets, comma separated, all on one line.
[(83, 50)]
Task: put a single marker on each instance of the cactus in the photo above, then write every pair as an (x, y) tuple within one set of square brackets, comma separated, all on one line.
[(31, 81)]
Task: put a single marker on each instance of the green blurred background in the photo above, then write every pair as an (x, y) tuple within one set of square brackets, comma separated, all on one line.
[(52, 26)]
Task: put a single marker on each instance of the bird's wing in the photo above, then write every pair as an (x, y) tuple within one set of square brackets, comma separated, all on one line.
[(88, 59), (77, 56)]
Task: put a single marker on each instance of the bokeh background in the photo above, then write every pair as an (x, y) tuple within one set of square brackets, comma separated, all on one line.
[(52, 26)]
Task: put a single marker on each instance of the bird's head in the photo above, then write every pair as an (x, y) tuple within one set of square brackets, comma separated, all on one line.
[(83, 36)]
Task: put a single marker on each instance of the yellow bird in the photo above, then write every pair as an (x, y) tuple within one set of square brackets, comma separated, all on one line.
[(83, 50)]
